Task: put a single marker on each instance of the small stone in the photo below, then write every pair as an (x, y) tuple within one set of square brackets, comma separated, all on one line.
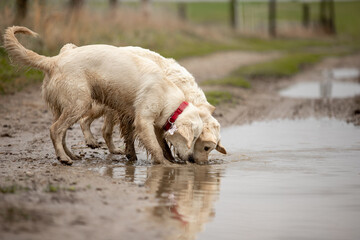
[(54, 164), (29, 174)]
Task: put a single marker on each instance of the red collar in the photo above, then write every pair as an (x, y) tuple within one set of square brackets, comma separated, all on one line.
[(170, 122)]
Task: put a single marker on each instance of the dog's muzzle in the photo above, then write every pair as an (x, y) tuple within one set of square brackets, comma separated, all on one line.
[(191, 159)]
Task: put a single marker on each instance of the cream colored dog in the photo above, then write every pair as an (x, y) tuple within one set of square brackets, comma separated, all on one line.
[(134, 86), (210, 136)]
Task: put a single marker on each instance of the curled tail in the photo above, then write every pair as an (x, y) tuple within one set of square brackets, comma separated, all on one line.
[(19, 55)]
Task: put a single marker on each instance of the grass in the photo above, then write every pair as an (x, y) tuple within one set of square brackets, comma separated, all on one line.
[(13, 79), (254, 14), (169, 36), (284, 66), (52, 188), (12, 189), (232, 80), (217, 97)]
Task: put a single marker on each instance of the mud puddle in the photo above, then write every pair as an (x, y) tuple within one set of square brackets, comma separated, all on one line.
[(324, 89), (341, 73), (332, 85), (282, 179)]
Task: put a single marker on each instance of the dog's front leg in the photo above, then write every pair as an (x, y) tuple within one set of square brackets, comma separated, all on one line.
[(146, 132), (163, 144), (129, 142)]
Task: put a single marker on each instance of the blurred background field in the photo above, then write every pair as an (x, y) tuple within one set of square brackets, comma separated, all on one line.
[(182, 29)]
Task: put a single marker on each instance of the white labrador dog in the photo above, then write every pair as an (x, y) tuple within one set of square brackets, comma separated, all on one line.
[(209, 138), (133, 85)]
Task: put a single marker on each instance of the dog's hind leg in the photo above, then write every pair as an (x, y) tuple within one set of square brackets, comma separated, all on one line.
[(85, 122), (67, 151), (58, 131), (107, 130)]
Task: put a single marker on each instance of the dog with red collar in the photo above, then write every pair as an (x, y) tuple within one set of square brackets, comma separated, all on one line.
[(132, 85)]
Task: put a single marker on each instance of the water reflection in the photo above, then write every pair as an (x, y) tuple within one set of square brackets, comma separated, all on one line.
[(328, 86), (284, 179), (186, 194), (345, 73), (325, 89)]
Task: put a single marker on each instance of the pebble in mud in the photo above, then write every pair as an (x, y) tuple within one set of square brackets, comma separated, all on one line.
[(29, 174)]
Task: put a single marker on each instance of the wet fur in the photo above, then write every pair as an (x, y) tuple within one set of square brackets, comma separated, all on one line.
[(133, 86), (177, 74)]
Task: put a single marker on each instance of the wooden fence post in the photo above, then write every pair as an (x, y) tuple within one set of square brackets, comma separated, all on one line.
[(182, 10), (113, 4), (21, 11), (327, 16), (272, 18), (306, 14), (233, 14), (332, 27)]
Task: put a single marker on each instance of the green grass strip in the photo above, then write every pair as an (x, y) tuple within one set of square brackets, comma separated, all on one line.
[(235, 81), (282, 67), (217, 97)]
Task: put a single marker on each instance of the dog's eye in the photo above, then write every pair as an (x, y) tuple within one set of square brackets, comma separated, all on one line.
[(206, 148)]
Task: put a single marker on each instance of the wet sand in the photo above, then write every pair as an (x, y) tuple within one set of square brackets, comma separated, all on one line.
[(267, 187)]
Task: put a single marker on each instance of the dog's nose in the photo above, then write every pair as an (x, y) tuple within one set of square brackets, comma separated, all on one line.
[(191, 159)]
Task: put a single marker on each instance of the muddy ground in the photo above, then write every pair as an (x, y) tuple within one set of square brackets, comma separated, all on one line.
[(40, 198)]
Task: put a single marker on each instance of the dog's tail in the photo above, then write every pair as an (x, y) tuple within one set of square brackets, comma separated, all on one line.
[(19, 55)]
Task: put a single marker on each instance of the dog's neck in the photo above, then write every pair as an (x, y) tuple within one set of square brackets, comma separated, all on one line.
[(175, 98), (169, 109)]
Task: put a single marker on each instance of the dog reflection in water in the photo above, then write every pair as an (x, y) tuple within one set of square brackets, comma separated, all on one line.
[(186, 194)]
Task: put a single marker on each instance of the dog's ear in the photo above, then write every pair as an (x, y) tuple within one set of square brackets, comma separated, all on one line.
[(207, 107), (220, 148), (186, 131), (207, 136), (211, 108)]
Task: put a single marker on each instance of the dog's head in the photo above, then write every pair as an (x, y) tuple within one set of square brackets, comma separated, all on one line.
[(188, 129), (209, 140)]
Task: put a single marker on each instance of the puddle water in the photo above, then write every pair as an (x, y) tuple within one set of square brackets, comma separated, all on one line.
[(341, 73), (325, 89), (281, 180)]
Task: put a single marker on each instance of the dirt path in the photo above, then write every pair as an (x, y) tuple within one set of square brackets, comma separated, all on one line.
[(263, 102), (41, 198), (220, 64)]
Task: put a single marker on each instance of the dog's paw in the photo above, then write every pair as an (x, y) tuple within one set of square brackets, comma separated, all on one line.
[(131, 157), (162, 161), (65, 160), (75, 157), (116, 151), (92, 144)]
